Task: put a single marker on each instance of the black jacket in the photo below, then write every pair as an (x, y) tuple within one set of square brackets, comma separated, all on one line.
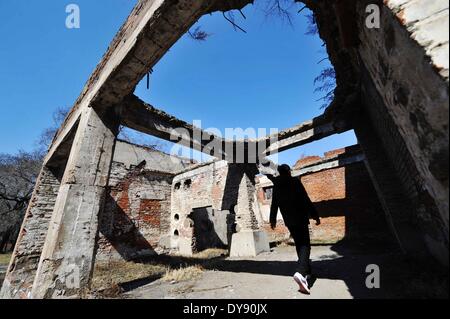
[(291, 198)]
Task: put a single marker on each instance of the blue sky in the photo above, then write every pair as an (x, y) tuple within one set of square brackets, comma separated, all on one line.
[(259, 79)]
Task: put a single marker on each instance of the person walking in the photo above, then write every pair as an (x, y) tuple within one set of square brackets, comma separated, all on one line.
[(290, 197)]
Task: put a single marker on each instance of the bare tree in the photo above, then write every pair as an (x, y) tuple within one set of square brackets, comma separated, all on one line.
[(18, 175)]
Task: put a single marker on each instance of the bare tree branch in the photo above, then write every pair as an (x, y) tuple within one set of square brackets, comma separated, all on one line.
[(229, 16), (326, 82), (281, 9)]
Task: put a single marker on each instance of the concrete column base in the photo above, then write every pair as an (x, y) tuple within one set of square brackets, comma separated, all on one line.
[(249, 244), (185, 247)]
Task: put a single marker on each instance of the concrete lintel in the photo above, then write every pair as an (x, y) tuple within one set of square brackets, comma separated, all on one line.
[(335, 162), (144, 118), (304, 133), (326, 164)]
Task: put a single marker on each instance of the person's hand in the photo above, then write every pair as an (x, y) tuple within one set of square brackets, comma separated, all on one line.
[(318, 222)]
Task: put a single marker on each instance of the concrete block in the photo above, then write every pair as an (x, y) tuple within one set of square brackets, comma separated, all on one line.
[(165, 242), (185, 247), (249, 244)]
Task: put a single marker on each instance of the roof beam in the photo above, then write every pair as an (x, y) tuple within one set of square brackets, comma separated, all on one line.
[(335, 162), (142, 117), (307, 132)]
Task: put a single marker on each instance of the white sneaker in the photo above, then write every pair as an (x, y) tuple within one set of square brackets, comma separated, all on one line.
[(302, 283)]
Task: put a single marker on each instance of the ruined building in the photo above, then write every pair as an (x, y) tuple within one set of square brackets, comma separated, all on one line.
[(392, 90)]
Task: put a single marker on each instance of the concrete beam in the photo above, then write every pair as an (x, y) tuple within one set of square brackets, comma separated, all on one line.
[(142, 117), (227, 5), (307, 132), (335, 162)]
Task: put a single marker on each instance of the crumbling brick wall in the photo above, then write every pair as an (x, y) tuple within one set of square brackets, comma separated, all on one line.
[(32, 236), (136, 219), (219, 187), (136, 214)]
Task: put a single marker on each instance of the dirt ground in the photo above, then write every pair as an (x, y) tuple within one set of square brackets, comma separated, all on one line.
[(340, 270)]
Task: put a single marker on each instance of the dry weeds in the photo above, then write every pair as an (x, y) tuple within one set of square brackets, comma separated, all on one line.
[(183, 274)]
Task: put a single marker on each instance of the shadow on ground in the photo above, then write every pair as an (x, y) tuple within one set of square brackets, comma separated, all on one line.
[(400, 277)]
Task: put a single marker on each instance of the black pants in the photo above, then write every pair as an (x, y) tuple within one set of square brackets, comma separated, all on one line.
[(300, 234)]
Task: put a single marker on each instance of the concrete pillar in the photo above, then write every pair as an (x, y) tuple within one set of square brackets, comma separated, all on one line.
[(249, 240), (25, 259), (66, 264)]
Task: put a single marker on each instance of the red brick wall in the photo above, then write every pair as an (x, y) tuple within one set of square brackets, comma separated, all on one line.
[(345, 199), (136, 214), (348, 203), (150, 212), (326, 185), (325, 188)]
